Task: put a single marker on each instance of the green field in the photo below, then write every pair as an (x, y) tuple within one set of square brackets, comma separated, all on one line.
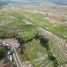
[(58, 29), (14, 20)]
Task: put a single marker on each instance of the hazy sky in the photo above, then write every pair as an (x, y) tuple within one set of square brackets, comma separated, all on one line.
[(33, 0), (60, 1)]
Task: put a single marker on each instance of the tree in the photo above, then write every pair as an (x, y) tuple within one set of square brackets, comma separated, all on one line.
[(55, 63), (2, 52), (15, 34), (21, 41), (4, 35), (44, 42), (7, 47), (37, 35), (51, 57)]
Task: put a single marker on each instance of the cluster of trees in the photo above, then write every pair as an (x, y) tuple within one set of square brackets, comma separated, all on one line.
[(21, 41), (3, 51), (18, 37), (8, 35), (43, 40)]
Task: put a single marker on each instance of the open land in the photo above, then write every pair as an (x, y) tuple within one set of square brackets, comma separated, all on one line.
[(27, 20)]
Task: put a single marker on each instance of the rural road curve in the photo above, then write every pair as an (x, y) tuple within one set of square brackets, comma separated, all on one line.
[(16, 57)]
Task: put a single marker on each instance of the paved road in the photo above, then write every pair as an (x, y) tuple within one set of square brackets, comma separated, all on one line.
[(16, 58)]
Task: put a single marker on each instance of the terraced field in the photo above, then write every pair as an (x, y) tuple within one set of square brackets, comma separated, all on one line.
[(57, 46)]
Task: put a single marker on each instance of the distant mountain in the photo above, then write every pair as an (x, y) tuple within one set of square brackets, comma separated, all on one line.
[(3, 3), (58, 1)]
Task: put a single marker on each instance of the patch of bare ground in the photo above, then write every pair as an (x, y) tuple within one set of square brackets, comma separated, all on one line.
[(1, 62), (27, 64), (53, 11), (12, 41), (65, 23)]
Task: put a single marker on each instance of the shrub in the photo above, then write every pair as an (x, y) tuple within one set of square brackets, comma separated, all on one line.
[(2, 52)]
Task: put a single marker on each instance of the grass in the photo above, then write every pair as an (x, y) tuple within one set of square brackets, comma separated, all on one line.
[(13, 23), (27, 35), (15, 20), (32, 49), (35, 50), (39, 20)]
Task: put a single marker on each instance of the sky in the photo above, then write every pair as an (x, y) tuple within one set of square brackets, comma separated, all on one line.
[(58, 1), (43, 0)]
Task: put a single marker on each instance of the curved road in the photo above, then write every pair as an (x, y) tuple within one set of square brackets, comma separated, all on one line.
[(16, 57)]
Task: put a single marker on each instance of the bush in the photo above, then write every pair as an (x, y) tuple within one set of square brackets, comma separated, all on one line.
[(55, 63), (20, 40), (4, 35), (51, 57), (37, 35), (2, 52), (44, 40)]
